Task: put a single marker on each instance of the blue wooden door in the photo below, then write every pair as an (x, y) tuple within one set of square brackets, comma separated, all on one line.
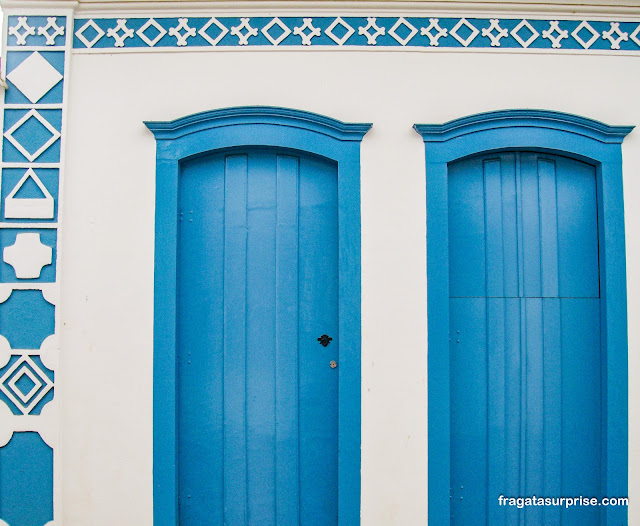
[(257, 287), (525, 354)]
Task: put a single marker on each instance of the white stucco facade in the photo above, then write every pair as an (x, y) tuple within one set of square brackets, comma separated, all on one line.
[(104, 463)]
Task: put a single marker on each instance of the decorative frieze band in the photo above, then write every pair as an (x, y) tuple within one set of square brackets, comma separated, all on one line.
[(34, 66), (347, 31)]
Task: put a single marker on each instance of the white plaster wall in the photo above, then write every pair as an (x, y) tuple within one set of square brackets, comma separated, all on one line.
[(106, 377)]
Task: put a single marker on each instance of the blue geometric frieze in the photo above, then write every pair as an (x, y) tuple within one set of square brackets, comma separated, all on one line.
[(26, 385), (515, 33), (32, 135), (26, 319), (36, 31), (29, 194), (26, 481), (28, 255), (34, 77)]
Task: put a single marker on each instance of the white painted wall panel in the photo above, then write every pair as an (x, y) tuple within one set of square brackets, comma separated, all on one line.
[(109, 231)]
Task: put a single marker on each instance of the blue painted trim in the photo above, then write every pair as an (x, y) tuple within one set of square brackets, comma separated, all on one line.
[(255, 126), (259, 115), (353, 31), (537, 130), (553, 120)]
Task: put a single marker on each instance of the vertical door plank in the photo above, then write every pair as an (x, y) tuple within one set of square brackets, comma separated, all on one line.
[(200, 341), (581, 406), (513, 401), (318, 383), (497, 446), (577, 230), (534, 415), (548, 227), (552, 406), (493, 228), (530, 225), (468, 322), (261, 338), (286, 364), (511, 257), (466, 230), (235, 358)]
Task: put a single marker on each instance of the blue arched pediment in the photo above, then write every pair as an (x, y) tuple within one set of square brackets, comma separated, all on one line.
[(563, 133), (253, 126), (523, 118), (247, 115)]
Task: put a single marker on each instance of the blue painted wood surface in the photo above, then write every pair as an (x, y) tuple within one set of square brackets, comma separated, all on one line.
[(525, 353), (546, 131), (257, 285), (26, 481), (271, 127)]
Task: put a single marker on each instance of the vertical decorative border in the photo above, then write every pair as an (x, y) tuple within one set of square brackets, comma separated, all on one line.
[(35, 63), (271, 127), (563, 134)]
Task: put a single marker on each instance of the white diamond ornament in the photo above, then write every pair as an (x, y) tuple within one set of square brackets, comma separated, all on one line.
[(34, 77), (23, 401), (534, 34), (28, 255), (99, 33), (203, 31), (576, 34), (29, 207), (285, 31), (634, 36), (37, 384), (55, 135), (349, 31), (151, 41), (402, 22), (464, 41)]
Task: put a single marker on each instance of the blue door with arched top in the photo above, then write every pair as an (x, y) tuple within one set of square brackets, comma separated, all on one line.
[(525, 338), (257, 289)]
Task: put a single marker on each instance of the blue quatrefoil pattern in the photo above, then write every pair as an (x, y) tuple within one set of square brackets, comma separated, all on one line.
[(416, 32)]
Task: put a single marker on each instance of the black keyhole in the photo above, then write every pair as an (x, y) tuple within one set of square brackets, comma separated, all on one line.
[(325, 340)]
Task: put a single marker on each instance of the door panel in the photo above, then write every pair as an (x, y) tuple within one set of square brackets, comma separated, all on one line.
[(525, 355), (523, 225), (257, 286)]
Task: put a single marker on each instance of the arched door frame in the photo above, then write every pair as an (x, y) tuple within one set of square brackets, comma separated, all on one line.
[(562, 134), (267, 127)]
